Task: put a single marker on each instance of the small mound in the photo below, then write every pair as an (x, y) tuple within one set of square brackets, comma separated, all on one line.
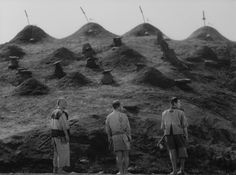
[(122, 57), (92, 30), (208, 34), (154, 77), (144, 29), (31, 86), (12, 50), (205, 53), (64, 55), (73, 79), (30, 34)]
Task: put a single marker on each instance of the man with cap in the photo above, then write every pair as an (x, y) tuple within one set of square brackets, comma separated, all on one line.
[(119, 134), (175, 125), (60, 137)]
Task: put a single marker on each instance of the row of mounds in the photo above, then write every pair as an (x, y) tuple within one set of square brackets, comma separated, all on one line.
[(207, 33), (31, 34), (64, 55), (9, 51)]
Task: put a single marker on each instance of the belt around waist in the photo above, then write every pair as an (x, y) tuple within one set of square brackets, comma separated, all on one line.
[(117, 133)]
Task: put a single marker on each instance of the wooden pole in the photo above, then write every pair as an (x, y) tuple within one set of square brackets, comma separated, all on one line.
[(27, 17), (84, 14), (142, 14)]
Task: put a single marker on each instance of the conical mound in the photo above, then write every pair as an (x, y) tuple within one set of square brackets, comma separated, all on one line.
[(31, 86), (152, 76), (73, 79), (31, 34), (207, 33), (92, 30), (144, 29), (11, 50), (62, 54), (122, 57)]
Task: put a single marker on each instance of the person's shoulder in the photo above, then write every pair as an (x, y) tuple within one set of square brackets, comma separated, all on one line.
[(165, 111), (110, 115), (56, 113)]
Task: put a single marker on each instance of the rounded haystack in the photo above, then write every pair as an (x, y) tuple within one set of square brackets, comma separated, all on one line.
[(122, 57), (152, 76), (205, 53), (11, 50), (64, 55), (144, 29), (91, 30), (31, 34), (31, 86), (207, 33), (73, 79)]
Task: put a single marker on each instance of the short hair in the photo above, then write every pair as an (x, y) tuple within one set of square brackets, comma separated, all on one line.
[(174, 100), (116, 104), (61, 99)]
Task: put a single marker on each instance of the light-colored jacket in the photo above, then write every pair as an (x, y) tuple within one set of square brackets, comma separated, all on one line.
[(175, 118), (117, 123), (60, 122)]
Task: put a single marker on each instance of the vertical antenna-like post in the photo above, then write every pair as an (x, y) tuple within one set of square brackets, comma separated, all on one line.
[(84, 14), (203, 18), (27, 17), (142, 14)]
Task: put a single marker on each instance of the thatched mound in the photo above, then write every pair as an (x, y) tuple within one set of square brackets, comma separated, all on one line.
[(64, 55), (73, 79), (31, 86), (92, 30), (154, 77), (144, 29), (122, 57), (11, 50), (30, 34), (208, 34)]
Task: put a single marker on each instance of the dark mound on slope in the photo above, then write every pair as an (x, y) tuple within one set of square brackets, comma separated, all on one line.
[(31, 86), (154, 77), (203, 53), (74, 79), (122, 57), (62, 54), (208, 34), (144, 29), (31, 34), (91, 30), (11, 50)]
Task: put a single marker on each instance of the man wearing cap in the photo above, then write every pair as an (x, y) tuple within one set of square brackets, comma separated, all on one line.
[(175, 125), (60, 137), (119, 134)]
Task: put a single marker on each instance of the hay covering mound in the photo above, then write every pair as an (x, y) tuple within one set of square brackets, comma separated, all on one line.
[(122, 57), (92, 30), (62, 54), (12, 50), (154, 77), (207, 33), (74, 79), (31, 86), (144, 29), (205, 53), (30, 34)]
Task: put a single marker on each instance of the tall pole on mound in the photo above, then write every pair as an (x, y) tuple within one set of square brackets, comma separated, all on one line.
[(203, 18), (27, 17), (84, 14), (142, 14)]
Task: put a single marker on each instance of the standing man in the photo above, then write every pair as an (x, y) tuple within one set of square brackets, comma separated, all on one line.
[(175, 125), (119, 134), (60, 137)]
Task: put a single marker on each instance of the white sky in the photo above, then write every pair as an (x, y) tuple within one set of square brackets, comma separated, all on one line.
[(60, 18)]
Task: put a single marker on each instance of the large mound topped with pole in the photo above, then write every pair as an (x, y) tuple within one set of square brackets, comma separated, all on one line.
[(64, 55), (31, 86), (144, 29), (122, 57), (31, 34), (152, 76), (92, 30), (207, 33)]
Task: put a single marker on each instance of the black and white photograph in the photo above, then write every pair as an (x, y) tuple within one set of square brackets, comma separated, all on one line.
[(118, 87)]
